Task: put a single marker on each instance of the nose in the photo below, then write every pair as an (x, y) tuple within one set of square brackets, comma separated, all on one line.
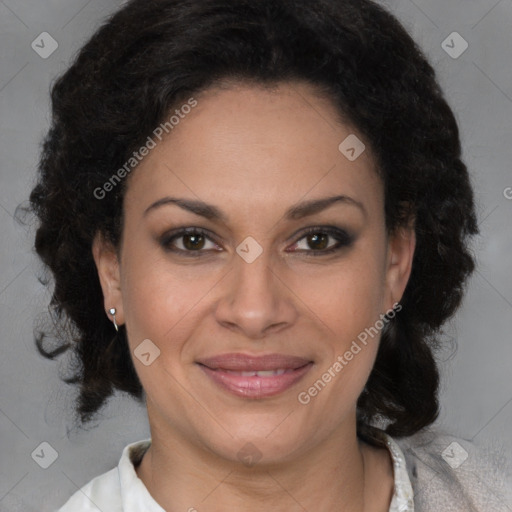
[(255, 300)]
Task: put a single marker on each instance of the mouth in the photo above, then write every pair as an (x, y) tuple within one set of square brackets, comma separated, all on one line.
[(250, 376)]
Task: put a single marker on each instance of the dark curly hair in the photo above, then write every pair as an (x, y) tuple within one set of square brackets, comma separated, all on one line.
[(148, 57)]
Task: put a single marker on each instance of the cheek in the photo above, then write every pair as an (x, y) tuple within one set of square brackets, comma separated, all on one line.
[(348, 300), (348, 297), (164, 309), (158, 304)]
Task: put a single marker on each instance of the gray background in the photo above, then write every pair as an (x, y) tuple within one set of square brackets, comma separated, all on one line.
[(35, 406)]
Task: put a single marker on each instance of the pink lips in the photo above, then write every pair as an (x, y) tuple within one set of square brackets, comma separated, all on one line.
[(255, 376)]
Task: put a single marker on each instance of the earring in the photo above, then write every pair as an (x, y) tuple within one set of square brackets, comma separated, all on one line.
[(112, 311)]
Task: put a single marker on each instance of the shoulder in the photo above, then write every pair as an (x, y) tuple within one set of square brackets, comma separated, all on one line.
[(453, 474), (110, 490), (101, 493)]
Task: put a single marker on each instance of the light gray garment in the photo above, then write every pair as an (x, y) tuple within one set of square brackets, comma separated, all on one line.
[(449, 474), (479, 483)]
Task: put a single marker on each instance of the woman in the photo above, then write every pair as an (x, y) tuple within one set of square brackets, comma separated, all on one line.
[(258, 219)]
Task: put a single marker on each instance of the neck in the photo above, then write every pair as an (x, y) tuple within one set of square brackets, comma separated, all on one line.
[(331, 476)]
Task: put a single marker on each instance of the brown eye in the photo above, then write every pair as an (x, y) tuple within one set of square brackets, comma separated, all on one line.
[(318, 242), (188, 242), (193, 242)]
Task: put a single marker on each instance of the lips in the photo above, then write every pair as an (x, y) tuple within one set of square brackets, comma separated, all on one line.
[(246, 363), (255, 376)]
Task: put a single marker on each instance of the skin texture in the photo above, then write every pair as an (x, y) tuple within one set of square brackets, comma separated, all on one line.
[(254, 153)]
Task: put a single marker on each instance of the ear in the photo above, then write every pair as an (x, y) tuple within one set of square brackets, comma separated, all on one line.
[(401, 246), (107, 265)]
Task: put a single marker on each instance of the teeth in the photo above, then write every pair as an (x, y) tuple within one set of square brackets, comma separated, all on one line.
[(260, 373)]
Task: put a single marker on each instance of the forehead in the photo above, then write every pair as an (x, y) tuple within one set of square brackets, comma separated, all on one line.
[(250, 146)]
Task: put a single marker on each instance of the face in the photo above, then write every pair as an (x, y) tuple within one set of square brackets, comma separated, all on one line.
[(272, 275)]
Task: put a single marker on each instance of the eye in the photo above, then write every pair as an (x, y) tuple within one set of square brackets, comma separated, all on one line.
[(188, 240), (321, 240), (315, 241)]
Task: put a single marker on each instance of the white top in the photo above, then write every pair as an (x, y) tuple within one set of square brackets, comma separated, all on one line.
[(121, 490)]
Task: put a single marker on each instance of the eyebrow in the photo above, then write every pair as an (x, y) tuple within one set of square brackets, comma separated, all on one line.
[(298, 211)]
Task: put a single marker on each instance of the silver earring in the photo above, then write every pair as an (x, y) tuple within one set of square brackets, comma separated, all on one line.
[(112, 311)]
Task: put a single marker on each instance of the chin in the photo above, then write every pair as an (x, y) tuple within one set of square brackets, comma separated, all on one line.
[(260, 438)]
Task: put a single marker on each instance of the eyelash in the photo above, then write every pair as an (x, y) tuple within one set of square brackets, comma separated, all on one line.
[(342, 237)]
